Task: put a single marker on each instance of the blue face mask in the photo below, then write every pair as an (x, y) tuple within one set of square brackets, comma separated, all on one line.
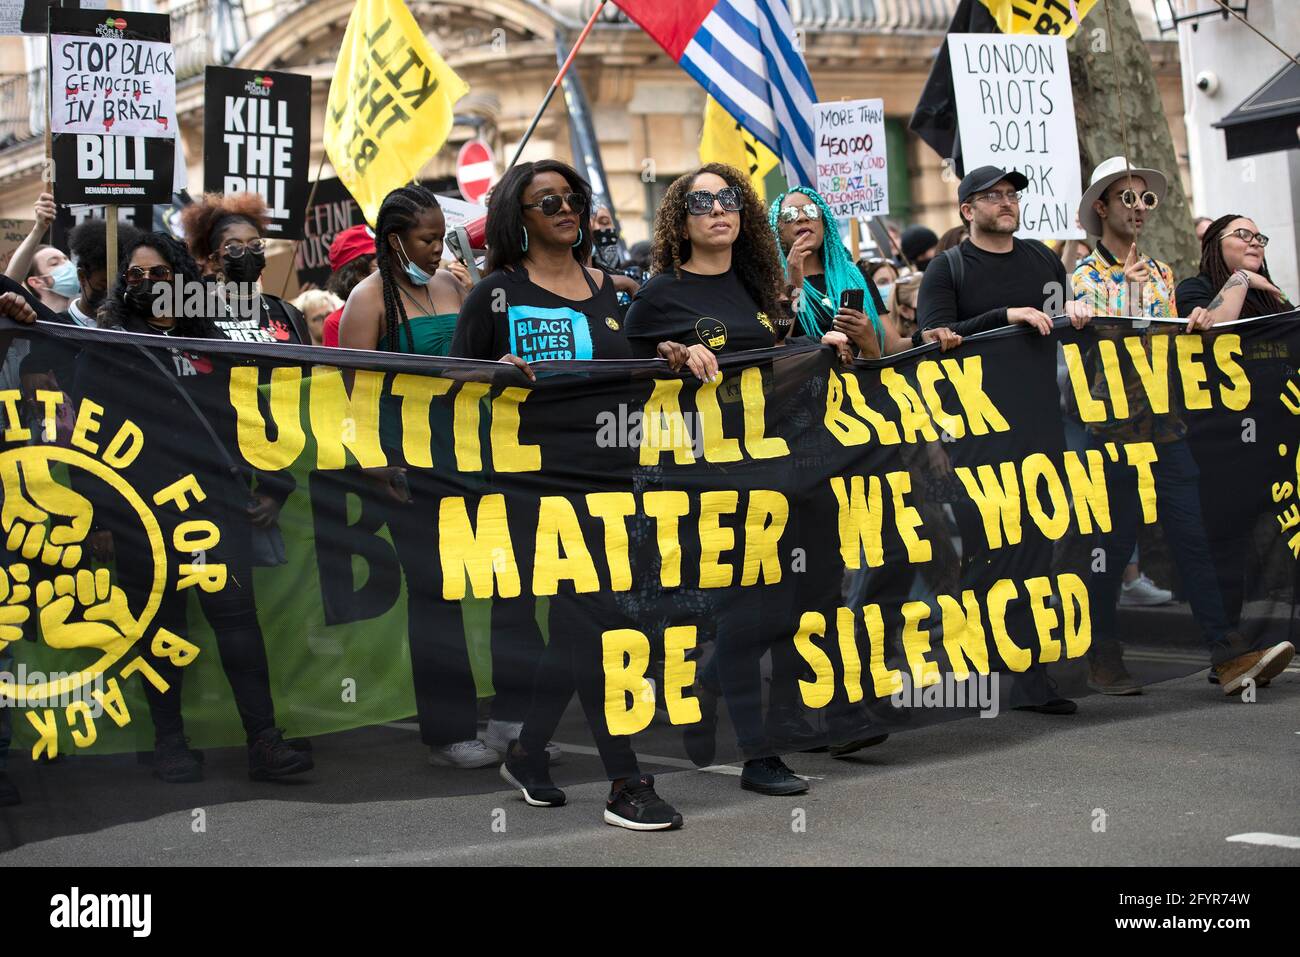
[(884, 292), (413, 272), (64, 280)]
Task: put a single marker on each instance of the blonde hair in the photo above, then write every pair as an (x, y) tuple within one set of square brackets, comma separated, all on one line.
[(314, 299)]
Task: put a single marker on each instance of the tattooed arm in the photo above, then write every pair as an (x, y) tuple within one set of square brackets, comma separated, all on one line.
[(1226, 304)]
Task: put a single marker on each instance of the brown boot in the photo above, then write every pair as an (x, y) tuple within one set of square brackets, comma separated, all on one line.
[(1256, 666), (1106, 671)]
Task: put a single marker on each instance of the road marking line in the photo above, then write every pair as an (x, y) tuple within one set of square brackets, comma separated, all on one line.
[(729, 769), (1267, 840)]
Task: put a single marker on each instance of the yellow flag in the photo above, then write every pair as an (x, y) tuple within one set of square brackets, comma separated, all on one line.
[(724, 140), (390, 103), (1056, 18)]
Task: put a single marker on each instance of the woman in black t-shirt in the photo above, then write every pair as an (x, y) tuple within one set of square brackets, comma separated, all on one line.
[(538, 302), (1233, 284), (227, 235), (1234, 281), (187, 412), (716, 278)]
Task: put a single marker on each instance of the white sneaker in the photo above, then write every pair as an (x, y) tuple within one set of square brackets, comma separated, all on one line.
[(464, 754), (1143, 591), (499, 734)]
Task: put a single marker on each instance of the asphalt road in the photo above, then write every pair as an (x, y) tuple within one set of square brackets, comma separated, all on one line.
[(1176, 773)]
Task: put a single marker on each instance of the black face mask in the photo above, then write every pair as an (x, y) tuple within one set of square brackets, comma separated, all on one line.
[(90, 304), (247, 268), (604, 237), (140, 299)]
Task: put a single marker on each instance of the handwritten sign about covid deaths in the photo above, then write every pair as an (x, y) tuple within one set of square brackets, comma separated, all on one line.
[(257, 138), (1015, 110), (852, 167)]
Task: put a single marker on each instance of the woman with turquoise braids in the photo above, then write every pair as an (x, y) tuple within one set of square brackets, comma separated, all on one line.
[(819, 269)]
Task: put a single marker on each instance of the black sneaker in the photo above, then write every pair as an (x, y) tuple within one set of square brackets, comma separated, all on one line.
[(700, 738), (636, 807), (9, 795), (175, 763), (270, 757), (771, 776), (1051, 706), (844, 748), (531, 773)]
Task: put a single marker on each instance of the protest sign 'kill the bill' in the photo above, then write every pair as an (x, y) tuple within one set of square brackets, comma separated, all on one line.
[(1015, 110), (257, 138), (112, 107)]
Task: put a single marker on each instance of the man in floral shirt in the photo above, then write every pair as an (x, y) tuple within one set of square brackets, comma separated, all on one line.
[(1119, 280)]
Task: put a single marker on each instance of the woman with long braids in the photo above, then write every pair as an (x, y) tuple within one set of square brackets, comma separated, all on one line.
[(538, 301), (409, 304), (819, 269), (1233, 283), (226, 232), (187, 411)]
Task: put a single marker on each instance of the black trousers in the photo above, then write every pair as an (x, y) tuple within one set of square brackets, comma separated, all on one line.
[(231, 611), (445, 692)]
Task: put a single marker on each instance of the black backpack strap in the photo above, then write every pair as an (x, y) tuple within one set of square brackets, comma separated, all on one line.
[(956, 268)]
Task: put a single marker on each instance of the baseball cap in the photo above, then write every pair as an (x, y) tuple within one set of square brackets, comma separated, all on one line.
[(981, 179), (352, 243)]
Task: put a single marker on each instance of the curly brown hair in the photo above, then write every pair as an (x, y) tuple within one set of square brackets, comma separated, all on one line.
[(203, 219), (753, 257)]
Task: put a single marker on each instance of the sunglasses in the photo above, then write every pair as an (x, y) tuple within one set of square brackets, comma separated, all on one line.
[(1130, 197), (700, 202), (552, 204), (790, 214), (234, 249), (1246, 236), (138, 274)]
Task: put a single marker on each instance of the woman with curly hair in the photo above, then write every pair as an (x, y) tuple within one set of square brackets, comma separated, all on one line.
[(820, 270), (717, 279), (227, 235), (186, 411)]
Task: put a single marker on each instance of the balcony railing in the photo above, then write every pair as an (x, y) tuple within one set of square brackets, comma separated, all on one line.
[(203, 32)]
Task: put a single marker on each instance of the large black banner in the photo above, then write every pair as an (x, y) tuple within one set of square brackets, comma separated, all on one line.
[(257, 139), (797, 554)]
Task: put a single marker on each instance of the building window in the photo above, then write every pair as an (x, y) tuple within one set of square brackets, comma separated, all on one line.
[(900, 182)]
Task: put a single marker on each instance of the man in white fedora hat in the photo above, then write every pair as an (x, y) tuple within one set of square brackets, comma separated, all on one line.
[(1118, 279)]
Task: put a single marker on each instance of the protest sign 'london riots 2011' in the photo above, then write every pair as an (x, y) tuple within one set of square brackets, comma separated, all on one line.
[(112, 107), (257, 138), (1015, 110)]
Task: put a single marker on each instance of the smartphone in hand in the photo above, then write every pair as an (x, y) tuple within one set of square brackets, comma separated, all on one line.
[(853, 299)]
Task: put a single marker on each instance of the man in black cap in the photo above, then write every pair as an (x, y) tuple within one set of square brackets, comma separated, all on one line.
[(994, 279), (989, 281)]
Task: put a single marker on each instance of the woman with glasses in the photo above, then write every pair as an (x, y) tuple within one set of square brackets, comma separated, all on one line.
[(820, 269), (227, 236), (538, 302), (1233, 282), (186, 412)]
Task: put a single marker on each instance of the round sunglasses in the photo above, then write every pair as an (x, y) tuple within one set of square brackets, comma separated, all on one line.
[(700, 202), (1130, 197), (552, 204), (138, 274), (790, 214), (234, 249)]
